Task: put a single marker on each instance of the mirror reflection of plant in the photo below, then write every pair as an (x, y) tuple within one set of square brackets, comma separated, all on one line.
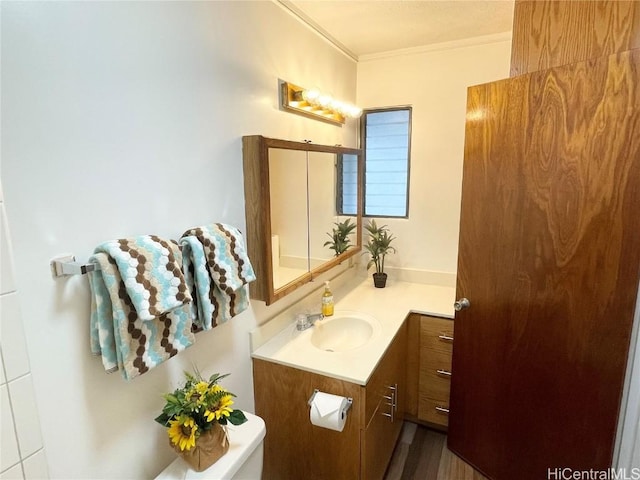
[(340, 240), (379, 245)]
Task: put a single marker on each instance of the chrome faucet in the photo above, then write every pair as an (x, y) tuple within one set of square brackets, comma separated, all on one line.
[(306, 320)]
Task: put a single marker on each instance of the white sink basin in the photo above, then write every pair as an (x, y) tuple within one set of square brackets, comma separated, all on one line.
[(343, 331)]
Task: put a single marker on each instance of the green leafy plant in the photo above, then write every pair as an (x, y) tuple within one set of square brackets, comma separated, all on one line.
[(378, 245), (340, 240), (196, 407)]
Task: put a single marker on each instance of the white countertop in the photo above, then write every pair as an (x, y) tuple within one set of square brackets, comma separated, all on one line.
[(389, 306)]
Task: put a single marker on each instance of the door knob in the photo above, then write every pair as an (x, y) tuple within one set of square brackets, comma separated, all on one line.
[(461, 304)]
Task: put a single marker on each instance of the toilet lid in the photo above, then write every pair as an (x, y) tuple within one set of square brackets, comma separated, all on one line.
[(243, 440)]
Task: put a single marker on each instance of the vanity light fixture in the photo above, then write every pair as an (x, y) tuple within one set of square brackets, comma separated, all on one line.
[(315, 104)]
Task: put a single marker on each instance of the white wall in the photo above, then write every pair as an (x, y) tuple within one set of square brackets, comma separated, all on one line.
[(22, 452), (434, 83), (126, 118)]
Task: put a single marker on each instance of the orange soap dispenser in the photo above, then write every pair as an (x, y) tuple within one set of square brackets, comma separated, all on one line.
[(327, 300)]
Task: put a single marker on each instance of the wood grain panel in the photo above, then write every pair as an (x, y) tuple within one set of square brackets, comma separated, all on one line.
[(377, 444), (435, 360), (413, 365), (381, 432), (451, 467), (552, 33), (429, 411), (258, 214), (293, 447), (434, 387), (433, 331), (549, 257), (390, 370), (435, 354)]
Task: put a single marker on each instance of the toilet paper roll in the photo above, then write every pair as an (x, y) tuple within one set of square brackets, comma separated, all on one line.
[(328, 411)]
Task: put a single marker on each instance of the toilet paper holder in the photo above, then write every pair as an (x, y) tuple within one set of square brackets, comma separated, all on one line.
[(344, 411)]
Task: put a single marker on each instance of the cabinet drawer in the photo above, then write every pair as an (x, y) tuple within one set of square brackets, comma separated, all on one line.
[(434, 411), (434, 360), (435, 385), (436, 334), (435, 378)]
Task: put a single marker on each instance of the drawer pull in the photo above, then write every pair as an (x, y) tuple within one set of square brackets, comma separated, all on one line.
[(445, 338), (390, 414), (445, 373), (442, 409), (393, 401)]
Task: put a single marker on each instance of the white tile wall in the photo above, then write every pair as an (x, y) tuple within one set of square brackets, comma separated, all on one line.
[(2, 377), (25, 415), (35, 466), (22, 454), (14, 347), (13, 473), (7, 283), (9, 455)]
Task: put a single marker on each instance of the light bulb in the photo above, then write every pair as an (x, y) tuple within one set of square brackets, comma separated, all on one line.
[(324, 100), (311, 96), (354, 111), (337, 106)]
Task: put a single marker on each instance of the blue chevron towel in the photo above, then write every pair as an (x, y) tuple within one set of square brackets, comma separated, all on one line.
[(140, 304), (217, 270)]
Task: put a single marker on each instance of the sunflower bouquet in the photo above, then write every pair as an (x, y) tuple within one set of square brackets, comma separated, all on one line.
[(195, 409)]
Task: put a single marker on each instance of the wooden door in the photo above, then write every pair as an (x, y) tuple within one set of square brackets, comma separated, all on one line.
[(549, 258), (549, 33)]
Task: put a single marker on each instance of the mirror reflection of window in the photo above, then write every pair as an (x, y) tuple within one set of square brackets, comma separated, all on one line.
[(347, 185)]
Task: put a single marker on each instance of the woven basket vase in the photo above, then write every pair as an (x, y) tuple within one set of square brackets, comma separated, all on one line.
[(211, 445)]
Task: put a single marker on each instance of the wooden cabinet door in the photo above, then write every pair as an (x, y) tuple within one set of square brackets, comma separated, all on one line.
[(549, 258), (294, 449), (383, 420)]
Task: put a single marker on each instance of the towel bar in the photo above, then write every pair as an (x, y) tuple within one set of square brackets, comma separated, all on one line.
[(67, 265)]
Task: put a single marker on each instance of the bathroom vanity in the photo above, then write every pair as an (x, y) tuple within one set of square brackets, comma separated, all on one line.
[(383, 377), (298, 449)]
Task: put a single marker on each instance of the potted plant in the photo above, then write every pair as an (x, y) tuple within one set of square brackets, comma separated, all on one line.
[(340, 240), (378, 246), (196, 416)]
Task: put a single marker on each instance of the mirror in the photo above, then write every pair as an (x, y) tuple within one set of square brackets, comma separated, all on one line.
[(293, 200), (321, 167), (289, 215)]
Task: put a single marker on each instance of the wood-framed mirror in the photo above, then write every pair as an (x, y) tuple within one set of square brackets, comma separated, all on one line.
[(295, 193)]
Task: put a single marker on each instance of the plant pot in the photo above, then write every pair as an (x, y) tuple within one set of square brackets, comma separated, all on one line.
[(210, 447), (379, 280)]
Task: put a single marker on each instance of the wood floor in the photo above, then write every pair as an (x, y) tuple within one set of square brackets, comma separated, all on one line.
[(422, 454)]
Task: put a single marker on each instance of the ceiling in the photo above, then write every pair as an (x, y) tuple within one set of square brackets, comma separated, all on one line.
[(369, 27)]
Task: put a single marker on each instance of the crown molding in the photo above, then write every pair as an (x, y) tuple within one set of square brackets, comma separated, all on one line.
[(309, 23), (435, 47)]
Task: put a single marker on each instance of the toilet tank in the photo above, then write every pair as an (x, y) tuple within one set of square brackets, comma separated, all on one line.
[(243, 461)]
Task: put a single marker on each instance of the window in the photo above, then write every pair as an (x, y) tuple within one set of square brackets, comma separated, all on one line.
[(386, 141), (386, 138)]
